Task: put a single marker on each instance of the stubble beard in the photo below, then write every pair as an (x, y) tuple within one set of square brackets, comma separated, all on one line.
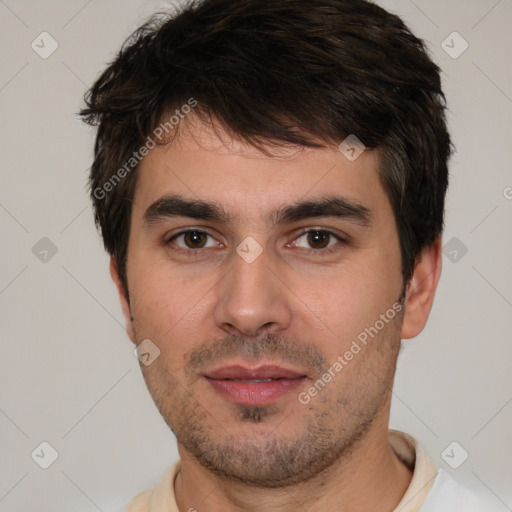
[(256, 454)]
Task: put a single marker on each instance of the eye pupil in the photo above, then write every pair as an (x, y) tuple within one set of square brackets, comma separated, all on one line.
[(318, 239), (195, 239)]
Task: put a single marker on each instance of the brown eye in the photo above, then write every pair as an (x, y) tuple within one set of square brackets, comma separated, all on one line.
[(318, 239), (195, 239)]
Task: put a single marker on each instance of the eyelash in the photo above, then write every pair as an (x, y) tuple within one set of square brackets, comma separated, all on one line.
[(326, 251), (314, 252)]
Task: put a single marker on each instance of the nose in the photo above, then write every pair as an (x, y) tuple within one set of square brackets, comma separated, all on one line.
[(251, 298)]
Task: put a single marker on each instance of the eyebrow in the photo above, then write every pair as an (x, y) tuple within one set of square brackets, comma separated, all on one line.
[(331, 206)]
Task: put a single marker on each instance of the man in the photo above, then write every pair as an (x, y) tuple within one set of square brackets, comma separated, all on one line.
[(269, 179)]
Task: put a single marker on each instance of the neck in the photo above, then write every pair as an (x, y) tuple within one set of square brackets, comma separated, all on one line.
[(370, 477)]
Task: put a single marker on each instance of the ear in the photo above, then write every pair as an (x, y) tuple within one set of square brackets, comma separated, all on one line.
[(421, 290), (125, 306)]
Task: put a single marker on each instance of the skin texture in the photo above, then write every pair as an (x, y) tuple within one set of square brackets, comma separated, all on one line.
[(295, 305)]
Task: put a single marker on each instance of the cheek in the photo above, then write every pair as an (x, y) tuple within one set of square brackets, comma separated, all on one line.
[(342, 303), (170, 308)]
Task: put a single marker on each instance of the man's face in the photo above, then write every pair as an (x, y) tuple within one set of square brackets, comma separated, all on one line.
[(295, 296)]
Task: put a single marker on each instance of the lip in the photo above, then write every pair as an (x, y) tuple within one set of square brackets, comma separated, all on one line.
[(243, 385), (261, 372)]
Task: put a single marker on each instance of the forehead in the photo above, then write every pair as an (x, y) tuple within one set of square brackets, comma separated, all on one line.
[(205, 162)]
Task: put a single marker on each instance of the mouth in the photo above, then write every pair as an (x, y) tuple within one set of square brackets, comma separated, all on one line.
[(254, 386)]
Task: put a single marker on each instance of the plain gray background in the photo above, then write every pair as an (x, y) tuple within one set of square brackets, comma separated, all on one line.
[(68, 375)]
